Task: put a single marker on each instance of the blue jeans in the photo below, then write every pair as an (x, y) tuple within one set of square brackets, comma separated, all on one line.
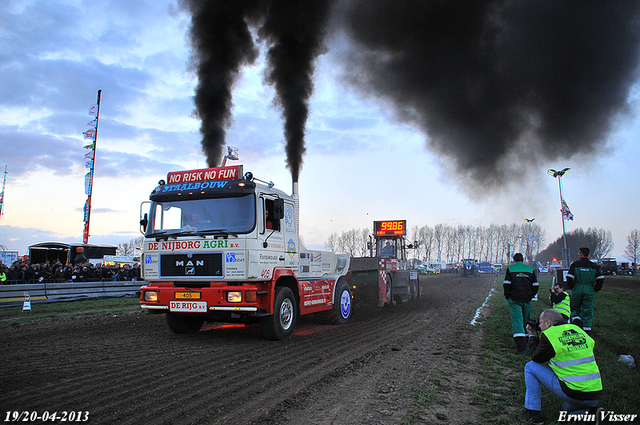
[(538, 373)]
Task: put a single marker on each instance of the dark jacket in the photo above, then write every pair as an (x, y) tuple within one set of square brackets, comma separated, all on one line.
[(585, 272), (520, 282)]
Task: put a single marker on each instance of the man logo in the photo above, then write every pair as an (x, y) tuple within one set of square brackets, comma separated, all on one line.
[(189, 263)]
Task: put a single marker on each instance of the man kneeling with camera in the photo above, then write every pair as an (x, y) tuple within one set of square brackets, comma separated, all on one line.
[(572, 373)]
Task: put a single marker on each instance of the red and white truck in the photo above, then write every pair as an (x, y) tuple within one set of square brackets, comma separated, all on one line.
[(223, 246)]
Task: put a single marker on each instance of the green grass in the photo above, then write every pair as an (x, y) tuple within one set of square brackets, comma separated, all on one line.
[(616, 331), (43, 311)]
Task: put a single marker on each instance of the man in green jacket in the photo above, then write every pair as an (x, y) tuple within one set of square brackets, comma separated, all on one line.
[(584, 279), (520, 286), (571, 373)]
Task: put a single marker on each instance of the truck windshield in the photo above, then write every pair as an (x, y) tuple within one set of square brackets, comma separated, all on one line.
[(202, 216)]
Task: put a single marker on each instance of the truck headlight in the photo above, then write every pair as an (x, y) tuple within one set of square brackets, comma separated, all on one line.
[(234, 297), (151, 296)]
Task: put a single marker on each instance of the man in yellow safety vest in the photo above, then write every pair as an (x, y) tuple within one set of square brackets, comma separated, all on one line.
[(571, 373), (561, 300)]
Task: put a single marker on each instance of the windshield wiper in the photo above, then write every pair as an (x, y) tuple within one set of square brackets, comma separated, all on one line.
[(166, 235)]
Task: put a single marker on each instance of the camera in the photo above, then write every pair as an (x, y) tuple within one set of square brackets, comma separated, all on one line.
[(535, 324)]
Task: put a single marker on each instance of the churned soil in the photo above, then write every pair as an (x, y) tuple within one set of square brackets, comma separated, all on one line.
[(415, 361)]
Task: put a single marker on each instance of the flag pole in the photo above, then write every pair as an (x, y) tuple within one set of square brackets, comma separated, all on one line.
[(4, 181), (565, 251), (87, 207)]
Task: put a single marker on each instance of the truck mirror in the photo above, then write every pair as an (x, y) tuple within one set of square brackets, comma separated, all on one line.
[(144, 222), (278, 208)]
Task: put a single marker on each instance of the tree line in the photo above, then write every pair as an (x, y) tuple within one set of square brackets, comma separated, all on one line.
[(495, 243), (444, 243)]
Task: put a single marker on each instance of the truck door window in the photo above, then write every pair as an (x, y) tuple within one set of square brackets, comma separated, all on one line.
[(167, 217), (270, 222)]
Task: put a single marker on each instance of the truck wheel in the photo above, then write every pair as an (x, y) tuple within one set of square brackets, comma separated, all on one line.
[(391, 301), (416, 288), (280, 325), (341, 311), (184, 324)]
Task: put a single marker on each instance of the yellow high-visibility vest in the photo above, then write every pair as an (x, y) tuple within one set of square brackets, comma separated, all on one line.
[(574, 362)]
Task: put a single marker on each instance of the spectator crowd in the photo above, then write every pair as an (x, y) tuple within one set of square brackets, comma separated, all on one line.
[(21, 272)]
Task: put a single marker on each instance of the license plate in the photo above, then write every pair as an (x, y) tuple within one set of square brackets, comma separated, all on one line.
[(188, 295), (188, 306)]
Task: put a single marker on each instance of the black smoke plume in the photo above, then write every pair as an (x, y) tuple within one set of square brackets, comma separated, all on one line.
[(222, 43), (296, 31), (497, 85)]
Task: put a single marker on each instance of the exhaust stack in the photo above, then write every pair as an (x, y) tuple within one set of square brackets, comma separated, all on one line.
[(296, 204)]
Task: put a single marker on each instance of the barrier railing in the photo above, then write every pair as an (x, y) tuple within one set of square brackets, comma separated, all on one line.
[(66, 291)]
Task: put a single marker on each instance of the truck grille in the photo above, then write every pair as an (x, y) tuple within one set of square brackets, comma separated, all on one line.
[(193, 265)]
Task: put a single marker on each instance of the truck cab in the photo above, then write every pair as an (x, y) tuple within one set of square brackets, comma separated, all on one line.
[(221, 246)]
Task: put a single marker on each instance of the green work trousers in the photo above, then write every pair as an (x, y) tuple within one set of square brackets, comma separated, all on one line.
[(583, 298), (520, 313)]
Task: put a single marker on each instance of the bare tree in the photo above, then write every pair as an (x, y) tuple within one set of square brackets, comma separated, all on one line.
[(132, 248), (632, 251), (492, 242), (332, 242), (439, 240), (427, 240), (603, 242)]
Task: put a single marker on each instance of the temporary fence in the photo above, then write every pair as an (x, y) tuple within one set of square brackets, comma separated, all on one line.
[(12, 295)]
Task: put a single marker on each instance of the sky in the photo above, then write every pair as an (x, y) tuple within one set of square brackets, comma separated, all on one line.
[(373, 150)]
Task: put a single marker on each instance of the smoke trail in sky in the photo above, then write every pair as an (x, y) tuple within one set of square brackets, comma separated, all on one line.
[(296, 31), (496, 85), (222, 44)]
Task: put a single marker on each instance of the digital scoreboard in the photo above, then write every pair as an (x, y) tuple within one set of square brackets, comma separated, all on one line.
[(390, 227)]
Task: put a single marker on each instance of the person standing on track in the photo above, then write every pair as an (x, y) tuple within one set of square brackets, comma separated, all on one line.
[(520, 286), (584, 279)]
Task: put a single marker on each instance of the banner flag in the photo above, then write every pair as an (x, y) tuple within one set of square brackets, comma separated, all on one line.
[(91, 146), (566, 212), (87, 184), (86, 211), (93, 123), (93, 110), (88, 163), (90, 134), (90, 154)]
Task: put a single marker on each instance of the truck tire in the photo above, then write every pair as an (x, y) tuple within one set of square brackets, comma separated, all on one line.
[(280, 325), (184, 324), (342, 307), (391, 300), (415, 286)]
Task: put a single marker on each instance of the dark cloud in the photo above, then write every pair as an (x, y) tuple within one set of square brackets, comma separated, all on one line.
[(495, 84)]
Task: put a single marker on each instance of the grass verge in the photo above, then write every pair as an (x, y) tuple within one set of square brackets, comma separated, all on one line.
[(616, 331), (47, 311)]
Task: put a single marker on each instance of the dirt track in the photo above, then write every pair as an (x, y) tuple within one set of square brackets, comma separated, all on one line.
[(130, 369)]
